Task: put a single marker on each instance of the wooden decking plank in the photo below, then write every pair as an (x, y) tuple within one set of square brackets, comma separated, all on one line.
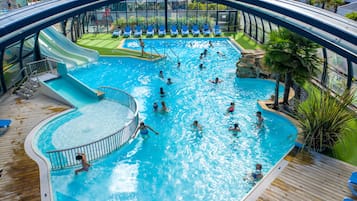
[(20, 177), (311, 177)]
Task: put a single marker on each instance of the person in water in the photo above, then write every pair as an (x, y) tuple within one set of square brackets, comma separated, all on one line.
[(196, 125), (231, 108), (169, 81), (201, 66), (155, 106), (144, 130), (161, 74), (163, 107), (260, 120), (210, 44), (216, 81), (162, 92), (257, 174), (234, 128), (85, 165)]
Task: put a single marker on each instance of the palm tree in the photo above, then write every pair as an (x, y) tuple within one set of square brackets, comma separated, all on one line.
[(295, 56), (324, 119)]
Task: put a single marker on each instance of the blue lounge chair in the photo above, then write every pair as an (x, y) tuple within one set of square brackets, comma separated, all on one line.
[(138, 32), (127, 31), (150, 31), (116, 33), (347, 199), (184, 30), (206, 30), (4, 125), (162, 31), (217, 30), (174, 31), (195, 30), (352, 183)]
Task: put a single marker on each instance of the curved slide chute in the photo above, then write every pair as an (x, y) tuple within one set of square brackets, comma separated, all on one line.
[(55, 45)]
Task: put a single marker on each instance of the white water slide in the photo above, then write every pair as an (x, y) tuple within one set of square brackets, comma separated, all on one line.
[(55, 45)]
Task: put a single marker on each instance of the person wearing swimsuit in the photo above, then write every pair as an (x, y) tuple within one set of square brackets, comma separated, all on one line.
[(144, 130), (85, 164)]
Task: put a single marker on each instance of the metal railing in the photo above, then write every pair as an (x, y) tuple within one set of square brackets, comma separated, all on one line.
[(42, 66), (65, 158)]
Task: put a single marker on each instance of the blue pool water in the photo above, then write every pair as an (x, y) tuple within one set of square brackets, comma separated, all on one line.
[(180, 163)]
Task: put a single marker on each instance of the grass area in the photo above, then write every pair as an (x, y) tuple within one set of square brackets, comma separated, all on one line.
[(106, 45), (347, 149)]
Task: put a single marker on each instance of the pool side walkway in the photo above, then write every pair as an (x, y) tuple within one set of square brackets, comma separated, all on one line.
[(310, 176), (20, 176)]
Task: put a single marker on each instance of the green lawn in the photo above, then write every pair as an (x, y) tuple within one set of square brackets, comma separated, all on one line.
[(106, 45), (347, 149)]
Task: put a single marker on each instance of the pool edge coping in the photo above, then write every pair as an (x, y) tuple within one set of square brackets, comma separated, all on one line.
[(43, 164)]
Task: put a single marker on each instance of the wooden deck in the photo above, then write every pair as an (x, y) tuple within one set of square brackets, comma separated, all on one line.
[(20, 176), (310, 177)]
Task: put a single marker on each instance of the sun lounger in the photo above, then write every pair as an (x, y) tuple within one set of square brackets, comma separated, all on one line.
[(138, 32), (352, 183), (195, 30), (162, 31), (4, 125), (116, 33), (174, 31), (184, 30), (150, 31), (217, 30), (127, 32), (206, 30)]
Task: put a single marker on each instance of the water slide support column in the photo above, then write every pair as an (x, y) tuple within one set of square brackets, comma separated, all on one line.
[(36, 48)]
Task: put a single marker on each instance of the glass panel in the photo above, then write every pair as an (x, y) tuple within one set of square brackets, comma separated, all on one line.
[(253, 26), (247, 23), (28, 46), (336, 61), (321, 65), (336, 81), (354, 82), (161, 12)]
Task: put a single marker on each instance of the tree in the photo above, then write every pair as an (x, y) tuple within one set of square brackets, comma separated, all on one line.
[(295, 56), (324, 119), (352, 16)]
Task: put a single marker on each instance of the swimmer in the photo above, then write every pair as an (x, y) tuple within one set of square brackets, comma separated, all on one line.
[(169, 81), (178, 64), (216, 81), (231, 108), (256, 175), (221, 54), (196, 125), (85, 164), (260, 120), (205, 52), (161, 74), (144, 130), (201, 56), (162, 93), (163, 107), (155, 106), (210, 44), (201, 66), (235, 128)]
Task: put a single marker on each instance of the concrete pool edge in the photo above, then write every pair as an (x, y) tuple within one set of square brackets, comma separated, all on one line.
[(43, 164)]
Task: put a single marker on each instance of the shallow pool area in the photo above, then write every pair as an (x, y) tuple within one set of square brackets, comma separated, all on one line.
[(181, 163)]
